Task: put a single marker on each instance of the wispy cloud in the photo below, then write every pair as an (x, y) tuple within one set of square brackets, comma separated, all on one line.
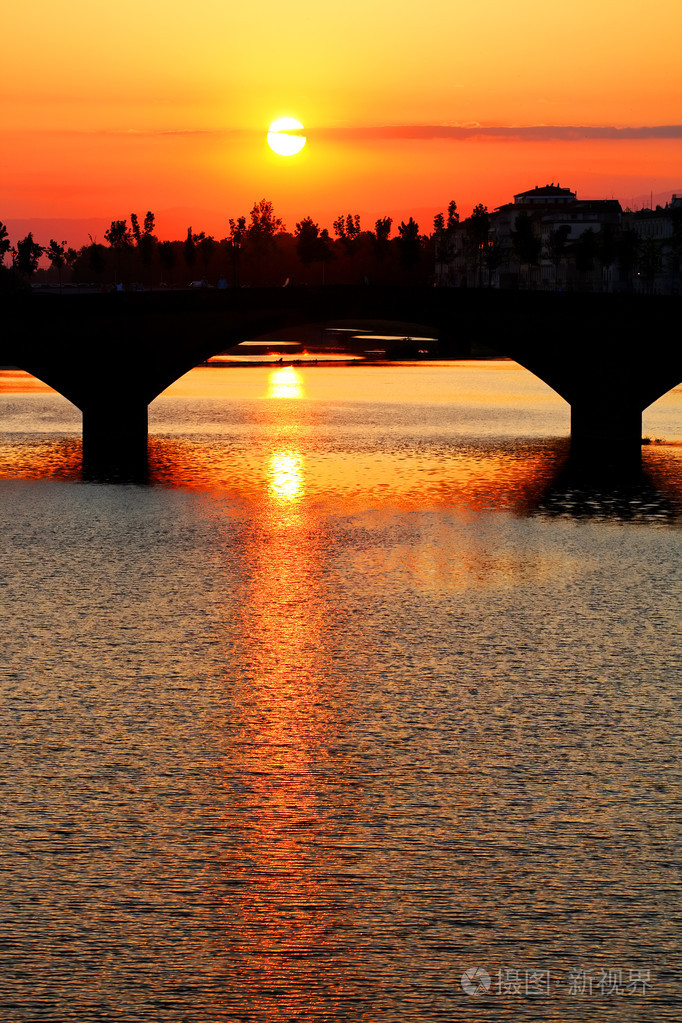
[(531, 133), (416, 132)]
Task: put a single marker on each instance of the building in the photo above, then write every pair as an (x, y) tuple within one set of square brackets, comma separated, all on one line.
[(545, 239)]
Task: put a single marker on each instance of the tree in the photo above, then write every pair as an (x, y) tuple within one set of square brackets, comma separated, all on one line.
[(444, 232), (382, 228), (675, 249), (166, 256), (28, 255), (97, 258), (144, 239), (441, 249), (382, 232), (264, 224), (235, 241), (606, 252), (650, 261), (409, 242), (120, 240), (313, 245), (476, 234), (206, 244), (188, 249), (556, 248), (237, 230), (307, 241), (493, 257), (58, 256), (326, 251), (118, 235), (347, 230), (5, 244)]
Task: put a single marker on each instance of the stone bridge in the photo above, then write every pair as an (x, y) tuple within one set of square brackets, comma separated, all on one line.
[(608, 356)]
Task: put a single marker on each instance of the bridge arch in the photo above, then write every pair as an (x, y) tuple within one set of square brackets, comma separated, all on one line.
[(112, 354), (30, 405)]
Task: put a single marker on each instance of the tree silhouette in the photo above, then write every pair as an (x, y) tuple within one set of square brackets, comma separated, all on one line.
[(476, 234), (453, 215), (606, 250), (167, 255), (188, 249), (313, 245), (409, 242), (382, 232), (120, 240), (207, 245), (307, 241), (97, 258), (556, 248), (28, 255), (144, 239), (238, 230), (264, 224), (627, 245), (675, 251), (444, 233), (347, 230), (58, 255), (235, 241), (118, 235), (5, 244), (650, 261)]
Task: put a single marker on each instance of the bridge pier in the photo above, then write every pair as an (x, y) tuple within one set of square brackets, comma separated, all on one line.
[(115, 441), (606, 436)]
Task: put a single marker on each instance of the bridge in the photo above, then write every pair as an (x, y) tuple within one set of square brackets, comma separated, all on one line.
[(608, 356)]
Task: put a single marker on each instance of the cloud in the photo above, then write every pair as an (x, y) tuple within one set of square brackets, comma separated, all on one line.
[(416, 132), (531, 133)]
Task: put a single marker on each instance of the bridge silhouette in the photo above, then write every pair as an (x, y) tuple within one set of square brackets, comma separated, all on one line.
[(608, 356)]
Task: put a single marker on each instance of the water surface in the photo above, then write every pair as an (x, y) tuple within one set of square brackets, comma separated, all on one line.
[(357, 695)]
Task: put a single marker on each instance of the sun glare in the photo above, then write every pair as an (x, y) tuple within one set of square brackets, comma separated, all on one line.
[(286, 475), (279, 139), (285, 383)]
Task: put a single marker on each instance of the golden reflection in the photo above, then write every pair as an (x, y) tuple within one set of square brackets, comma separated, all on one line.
[(285, 383), (38, 459), (16, 381), (285, 476), (282, 913)]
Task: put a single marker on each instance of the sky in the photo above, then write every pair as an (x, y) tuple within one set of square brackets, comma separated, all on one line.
[(164, 106)]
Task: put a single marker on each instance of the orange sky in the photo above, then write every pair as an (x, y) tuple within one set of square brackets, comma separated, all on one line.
[(165, 106)]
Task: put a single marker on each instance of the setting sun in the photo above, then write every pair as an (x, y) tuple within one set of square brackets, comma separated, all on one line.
[(279, 139)]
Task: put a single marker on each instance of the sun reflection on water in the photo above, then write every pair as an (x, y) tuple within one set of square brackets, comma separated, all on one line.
[(280, 922), (285, 476), (285, 383)]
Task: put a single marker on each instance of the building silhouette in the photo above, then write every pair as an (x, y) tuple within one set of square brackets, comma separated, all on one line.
[(549, 239)]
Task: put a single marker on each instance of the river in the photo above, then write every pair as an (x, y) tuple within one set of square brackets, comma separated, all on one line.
[(360, 710)]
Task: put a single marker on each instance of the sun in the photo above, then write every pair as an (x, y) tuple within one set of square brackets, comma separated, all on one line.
[(279, 139)]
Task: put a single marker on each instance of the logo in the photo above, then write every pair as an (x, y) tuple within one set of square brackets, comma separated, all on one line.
[(475, 981)]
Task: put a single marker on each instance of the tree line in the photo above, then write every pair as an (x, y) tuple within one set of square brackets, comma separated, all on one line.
[(258, 250)]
